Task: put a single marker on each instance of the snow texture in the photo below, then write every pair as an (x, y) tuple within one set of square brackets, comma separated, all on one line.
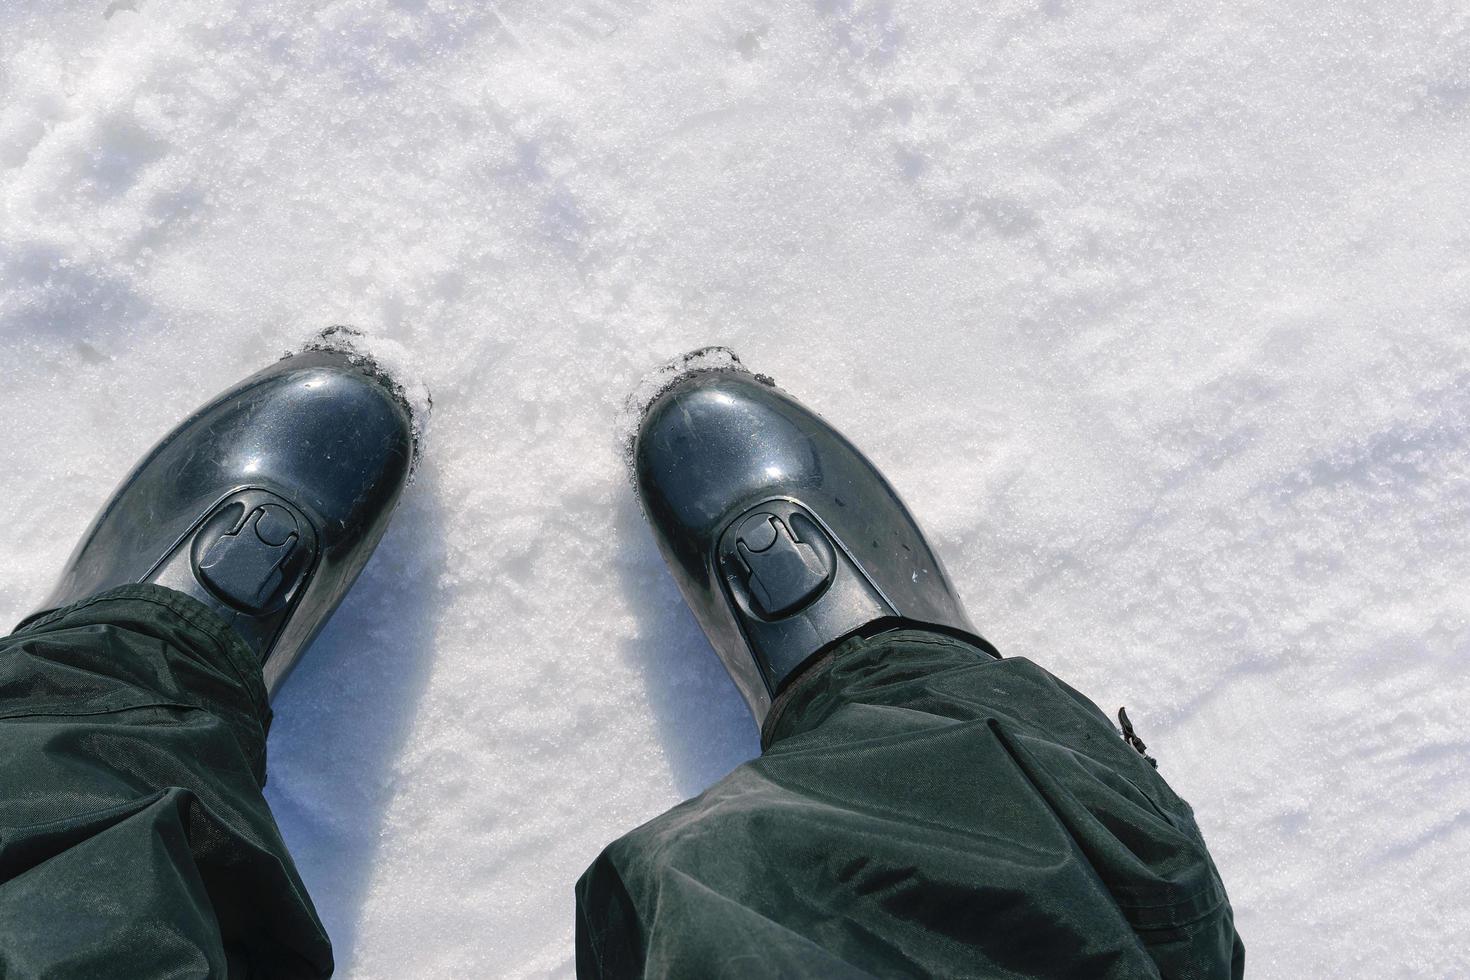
[(1158, 314)]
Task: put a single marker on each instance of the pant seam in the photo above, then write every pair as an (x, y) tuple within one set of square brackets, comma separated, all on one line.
[(104, 711)]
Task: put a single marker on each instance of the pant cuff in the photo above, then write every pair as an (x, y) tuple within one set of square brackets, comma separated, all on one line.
[(206, 664), (856, 666)]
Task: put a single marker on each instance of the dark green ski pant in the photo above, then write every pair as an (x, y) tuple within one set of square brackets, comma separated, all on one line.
[(921, 810), (134, 839)]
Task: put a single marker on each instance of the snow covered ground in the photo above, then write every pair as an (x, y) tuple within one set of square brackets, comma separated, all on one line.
[(1158, 313)]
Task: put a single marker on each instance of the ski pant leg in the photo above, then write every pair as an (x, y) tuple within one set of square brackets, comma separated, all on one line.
[(920, 810), (134, 839)]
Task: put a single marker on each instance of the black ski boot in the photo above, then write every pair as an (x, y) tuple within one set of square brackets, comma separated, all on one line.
[(264, 504), (782, 536)]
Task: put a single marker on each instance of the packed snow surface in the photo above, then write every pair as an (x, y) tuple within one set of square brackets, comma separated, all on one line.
[(1157, 313)]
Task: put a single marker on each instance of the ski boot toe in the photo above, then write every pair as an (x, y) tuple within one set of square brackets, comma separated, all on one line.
[(264, 504), (782, 536)]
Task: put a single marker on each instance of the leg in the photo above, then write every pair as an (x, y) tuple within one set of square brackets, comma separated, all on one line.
[(134, 839), (922, 810)]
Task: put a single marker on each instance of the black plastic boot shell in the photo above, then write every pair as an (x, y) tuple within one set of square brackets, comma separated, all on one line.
[(720, 454), (314, 438)]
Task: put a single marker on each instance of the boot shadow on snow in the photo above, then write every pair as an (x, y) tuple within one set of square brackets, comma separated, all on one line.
[(343, 715), (704, 725)]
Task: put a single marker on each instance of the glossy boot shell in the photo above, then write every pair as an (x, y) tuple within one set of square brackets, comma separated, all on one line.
[(782, 536), (264, 504)]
